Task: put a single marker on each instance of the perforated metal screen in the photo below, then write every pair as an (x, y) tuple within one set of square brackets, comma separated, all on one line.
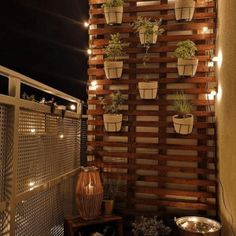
[(43, 214), (49, 146), (4, 226)]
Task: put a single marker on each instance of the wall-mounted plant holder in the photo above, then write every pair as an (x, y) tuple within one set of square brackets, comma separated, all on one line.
[(148, 38), (148, 89), (187, 67), (113, 69), (184, 9), (112, 122), (113, 15), (183, 125)]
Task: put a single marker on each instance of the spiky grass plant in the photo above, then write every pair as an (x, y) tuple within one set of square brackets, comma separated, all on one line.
[(182, 105)]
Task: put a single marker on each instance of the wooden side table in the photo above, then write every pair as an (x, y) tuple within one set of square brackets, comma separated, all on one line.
[(74, 225)]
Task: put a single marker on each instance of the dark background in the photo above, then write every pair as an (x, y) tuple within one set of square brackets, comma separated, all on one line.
[(47, 41)]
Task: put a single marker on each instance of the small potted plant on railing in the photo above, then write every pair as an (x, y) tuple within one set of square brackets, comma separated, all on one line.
[(113, 10), (187, 62), (110, 189), (147, 88), (183, 121), (148, 30), (114, 50), (150, 227), (184, 9), (112, 118)]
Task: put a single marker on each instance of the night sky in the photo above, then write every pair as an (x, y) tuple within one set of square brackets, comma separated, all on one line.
[(46, 40)]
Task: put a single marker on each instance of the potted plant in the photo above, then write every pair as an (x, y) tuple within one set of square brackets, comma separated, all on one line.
[(150, 227), (112, 118), (184, 9), (148, 30), (187, 62), (114, 50), (147, 88), (110, 189), (183, 121), (113, 10)]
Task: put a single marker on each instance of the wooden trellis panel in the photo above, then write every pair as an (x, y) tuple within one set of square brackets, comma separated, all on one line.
[(161, 171)]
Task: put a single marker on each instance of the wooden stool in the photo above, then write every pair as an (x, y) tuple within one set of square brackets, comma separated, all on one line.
[(75, 225)]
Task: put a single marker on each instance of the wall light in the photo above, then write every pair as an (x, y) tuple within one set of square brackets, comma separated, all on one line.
[(94, 84), (86, 24), (89, 51), (205, 29)]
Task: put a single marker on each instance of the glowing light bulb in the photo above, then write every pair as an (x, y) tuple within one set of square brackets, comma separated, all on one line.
[(205, 30), (89, 51), (215, 59), (210, 64), (72, 107), (33, 131), (86, 24), (61, 136), (94, 85), (213, 93)]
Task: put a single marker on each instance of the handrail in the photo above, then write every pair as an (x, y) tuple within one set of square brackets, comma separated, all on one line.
[(35, 84)]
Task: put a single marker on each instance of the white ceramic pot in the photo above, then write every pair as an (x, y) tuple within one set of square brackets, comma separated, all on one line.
[(112, 122), (187, 67), (184, 9), (113, 15), (113, 69), (148, 38), (148, 90), (183, 125)]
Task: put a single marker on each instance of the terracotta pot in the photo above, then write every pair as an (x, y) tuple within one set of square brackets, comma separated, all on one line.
[(113, 69), (113, 15), (112, 122), (183, 125), (149, 38), (187, 67), (184, 9), (108, 206), (148, 90)]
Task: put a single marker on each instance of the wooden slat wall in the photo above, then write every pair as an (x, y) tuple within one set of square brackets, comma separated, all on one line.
[(161, 171)]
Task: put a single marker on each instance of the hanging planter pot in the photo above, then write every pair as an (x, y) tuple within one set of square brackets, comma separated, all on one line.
[(184, 9), (113, 69), (187, 67), (183, 125), (148, 89), (113, 15), (112, 122), (148, 38)]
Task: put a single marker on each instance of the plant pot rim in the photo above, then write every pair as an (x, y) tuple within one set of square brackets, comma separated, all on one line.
[(191, 58), (113, 7), (188, 116)]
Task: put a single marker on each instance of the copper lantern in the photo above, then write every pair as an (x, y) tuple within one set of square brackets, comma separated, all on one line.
[(89, 193)]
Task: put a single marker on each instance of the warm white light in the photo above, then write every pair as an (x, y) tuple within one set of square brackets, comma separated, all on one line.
[(211, 96), (86, 24), (210, 64), (220, 93), (31, 184), (215, 59), (61, 136), (72, 107), (89, 51), (205, 30), (94, 85), (32, 131), (213, 93)]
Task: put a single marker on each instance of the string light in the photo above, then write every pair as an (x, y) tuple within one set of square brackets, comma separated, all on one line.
[(32, 131), (61, 136), (94, 85), (205, 29), (210, 64), (89, 51), (72, 107), (86, 24), (212, 94)]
